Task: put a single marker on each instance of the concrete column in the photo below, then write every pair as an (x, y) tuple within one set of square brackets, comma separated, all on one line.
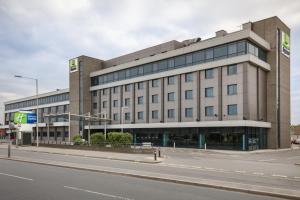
[(244, 142), (165, 139), (134, 138), (201, 139)]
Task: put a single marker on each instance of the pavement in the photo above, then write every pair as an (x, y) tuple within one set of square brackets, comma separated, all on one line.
[(270, 173), (21, 181)]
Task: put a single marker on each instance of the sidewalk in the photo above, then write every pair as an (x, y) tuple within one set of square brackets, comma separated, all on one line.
[(143, 158), (259, 151), (225, 185)]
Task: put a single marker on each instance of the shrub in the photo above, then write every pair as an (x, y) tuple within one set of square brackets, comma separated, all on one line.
[(119, 138), (77, 140), (97, 138)]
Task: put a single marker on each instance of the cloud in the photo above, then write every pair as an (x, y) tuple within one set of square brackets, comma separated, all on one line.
[(38, 37)]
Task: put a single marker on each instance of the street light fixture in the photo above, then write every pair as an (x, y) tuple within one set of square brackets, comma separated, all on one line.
[(37, 104)]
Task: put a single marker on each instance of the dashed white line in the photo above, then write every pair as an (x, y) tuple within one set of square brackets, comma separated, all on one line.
[(19, 177), (98, 193), (237, 171), (297, 177), (278, 175), (266, 160), (258, 173)]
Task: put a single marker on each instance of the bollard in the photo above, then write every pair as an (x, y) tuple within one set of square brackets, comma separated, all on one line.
[(9, 149), (159, 153), (205, 146), (155, 157), (174, 145)]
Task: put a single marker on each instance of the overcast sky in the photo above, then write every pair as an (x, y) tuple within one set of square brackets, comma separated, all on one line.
[(37, 38)]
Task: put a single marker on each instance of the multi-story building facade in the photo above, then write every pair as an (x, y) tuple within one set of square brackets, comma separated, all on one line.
[(230, 91), (53, 124)]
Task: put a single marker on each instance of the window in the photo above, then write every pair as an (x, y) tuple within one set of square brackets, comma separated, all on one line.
[(140, 100), (155, 83), (232, 109), (252, 49), (209, 54), (209, 73), (94, 93), (232, 49), (189, 59), (231, 69), (189, 94), (154, 67), (220, 52), (163, 65), (189, 77), (140, 85), (209, 92), (241, 48), (155, 98), (127, 116), (127, 88), (171, 96), (171, 113), (148, 69), (171, 80), (179, 61), (115, 90), (199, 57), (188, 112), (154, 114), (232, 89), (104, 104), (127, 102), (105, 91), (94, 105), (209, 111), (171, 63), (116, 116), (140, 115), (116, 102)]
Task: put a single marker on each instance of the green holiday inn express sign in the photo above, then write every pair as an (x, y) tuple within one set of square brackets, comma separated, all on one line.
[(73, 65), (285, 44), (24, 118)]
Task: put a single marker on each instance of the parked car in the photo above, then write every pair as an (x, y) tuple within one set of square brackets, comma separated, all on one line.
[(296, 141)]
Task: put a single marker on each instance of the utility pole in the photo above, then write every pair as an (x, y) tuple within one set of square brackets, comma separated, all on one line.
[(69, 128), (89, 131)]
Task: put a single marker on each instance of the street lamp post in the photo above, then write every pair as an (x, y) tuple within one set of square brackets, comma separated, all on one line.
[(122, 120), (37, 105)]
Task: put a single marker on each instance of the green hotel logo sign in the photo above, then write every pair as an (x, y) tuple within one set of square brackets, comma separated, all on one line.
[(285, 44), (24, 118), (20, 118), (73, 65)]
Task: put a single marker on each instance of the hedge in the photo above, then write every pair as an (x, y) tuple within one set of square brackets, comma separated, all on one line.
[(119, 138), (97, 138)]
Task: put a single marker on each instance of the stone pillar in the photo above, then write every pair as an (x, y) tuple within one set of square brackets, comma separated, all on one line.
[(165, 139), (201, 139)]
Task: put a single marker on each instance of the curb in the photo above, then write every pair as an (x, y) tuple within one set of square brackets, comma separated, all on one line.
[(249, 190), (107, 158)]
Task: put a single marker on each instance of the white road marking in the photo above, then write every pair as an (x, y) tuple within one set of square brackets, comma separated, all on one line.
[(98, 193), (278, 175), (19, 177), (297, 177), (258, 173), (266, 160), (237, 171)]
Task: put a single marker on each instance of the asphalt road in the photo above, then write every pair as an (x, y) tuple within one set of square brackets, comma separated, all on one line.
[(231, 170), (26, 181)]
